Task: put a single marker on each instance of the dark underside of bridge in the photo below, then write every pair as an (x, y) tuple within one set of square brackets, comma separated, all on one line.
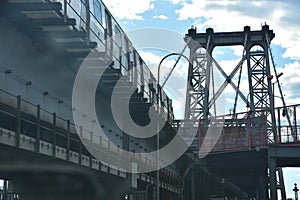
[(245, 169), (42, 177), (249, 169)]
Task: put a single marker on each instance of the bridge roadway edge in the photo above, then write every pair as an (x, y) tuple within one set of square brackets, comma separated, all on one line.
[(38, 176), (246, 169)]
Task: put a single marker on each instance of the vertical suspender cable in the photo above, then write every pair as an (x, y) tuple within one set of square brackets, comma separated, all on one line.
[(279, 87)]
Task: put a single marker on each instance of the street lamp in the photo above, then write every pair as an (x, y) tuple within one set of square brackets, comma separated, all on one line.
[(281, 97), (277, 80), (248, 103), (159, 89), (296, 190), (284, 113)]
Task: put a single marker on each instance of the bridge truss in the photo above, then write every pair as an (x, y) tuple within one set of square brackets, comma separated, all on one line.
[(204, 95)]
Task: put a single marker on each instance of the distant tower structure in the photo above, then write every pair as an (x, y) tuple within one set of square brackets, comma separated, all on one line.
[(202, 93), (296, 190)]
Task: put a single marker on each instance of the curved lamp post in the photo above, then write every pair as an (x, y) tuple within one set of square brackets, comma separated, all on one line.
[(158, 105)]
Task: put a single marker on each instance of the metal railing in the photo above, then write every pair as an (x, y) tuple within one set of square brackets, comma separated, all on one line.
[(28, 126), (42, 128), (248, 130), (9, 196)]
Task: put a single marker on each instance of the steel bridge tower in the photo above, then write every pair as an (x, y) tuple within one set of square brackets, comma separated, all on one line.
[(256, 61), (202, 93)]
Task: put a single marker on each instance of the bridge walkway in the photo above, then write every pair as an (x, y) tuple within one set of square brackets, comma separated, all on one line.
[(242, 150)]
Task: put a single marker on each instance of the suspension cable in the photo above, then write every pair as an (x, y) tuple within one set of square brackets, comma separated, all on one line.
[(179, 57), (277, 81)]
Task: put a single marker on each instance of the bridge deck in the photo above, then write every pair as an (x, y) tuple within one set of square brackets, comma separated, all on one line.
[(40, 167), (249, 131)]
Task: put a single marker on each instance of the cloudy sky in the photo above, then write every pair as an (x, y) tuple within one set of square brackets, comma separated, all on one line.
[(223, 15)]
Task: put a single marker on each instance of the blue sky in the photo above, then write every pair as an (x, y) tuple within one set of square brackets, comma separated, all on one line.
[(224, 15)]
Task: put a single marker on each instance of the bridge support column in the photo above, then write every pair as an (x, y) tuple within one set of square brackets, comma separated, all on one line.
[(68, 140), (38, 128), (54, 135), (18, 125), (281, 183), (272, 177), (81, 146), (262, 189), (276, 182)]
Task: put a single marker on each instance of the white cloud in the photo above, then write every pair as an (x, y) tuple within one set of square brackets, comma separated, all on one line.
[(227, 15), (153, 60), (164, 17), (176, 85), (219, 52), (291, 83), (282, 17), (177, 1), (237, 50), (292, 52), (130, 9)]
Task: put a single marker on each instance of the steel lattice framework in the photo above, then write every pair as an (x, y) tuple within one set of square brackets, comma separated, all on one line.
[(260, 88), (196, 86), (201, 91)]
